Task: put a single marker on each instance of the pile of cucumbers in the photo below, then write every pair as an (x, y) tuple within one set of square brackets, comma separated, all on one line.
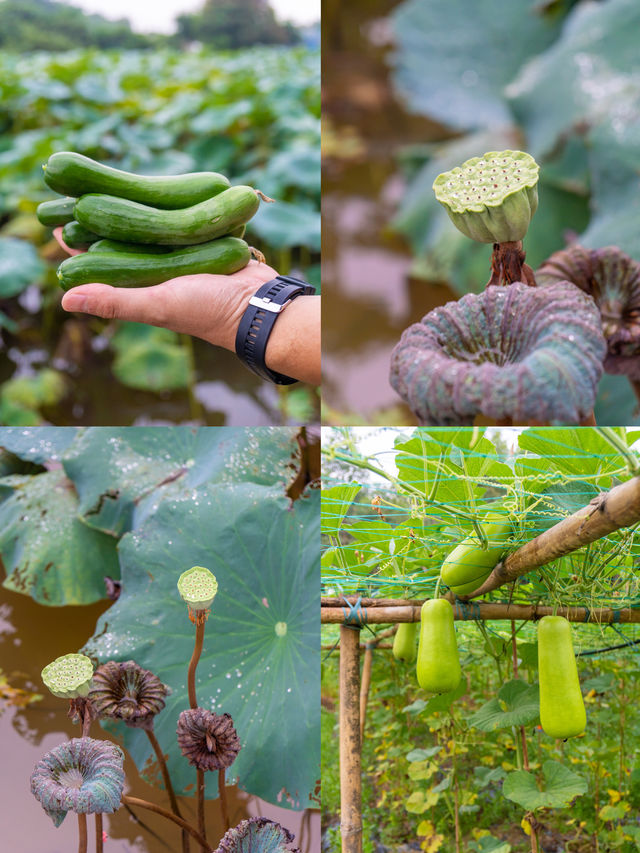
[(141, 230)]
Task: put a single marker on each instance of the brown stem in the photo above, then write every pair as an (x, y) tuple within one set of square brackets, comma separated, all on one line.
[(635, 384), (507, 265), (82, 833), (534, 838), (590, 420), (264, 197), (99, 845), (222, 791), (153, 740), (523, 734), (145, 804), (200, 798), (87, 717), (195, 657)]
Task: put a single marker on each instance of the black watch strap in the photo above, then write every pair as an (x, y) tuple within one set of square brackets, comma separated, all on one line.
[(264, 308)]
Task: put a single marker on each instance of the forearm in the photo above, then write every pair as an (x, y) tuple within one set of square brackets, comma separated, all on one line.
[(293, 347)]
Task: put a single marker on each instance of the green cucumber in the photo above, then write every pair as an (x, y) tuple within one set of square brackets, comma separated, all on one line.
[(145, 248), (58, 211), (438, 665), (562, 712), (468, 566), (131, 222), (77, 236), (224, 256), (73, 174), (404, 642), (128, 248)]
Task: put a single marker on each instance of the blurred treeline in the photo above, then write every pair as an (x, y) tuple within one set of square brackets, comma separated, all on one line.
[(29, 25)]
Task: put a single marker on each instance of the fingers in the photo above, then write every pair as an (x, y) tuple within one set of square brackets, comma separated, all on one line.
[(57, 233), (138, 304)]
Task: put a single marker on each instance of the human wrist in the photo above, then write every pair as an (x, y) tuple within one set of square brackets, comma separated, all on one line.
[(263, 314)]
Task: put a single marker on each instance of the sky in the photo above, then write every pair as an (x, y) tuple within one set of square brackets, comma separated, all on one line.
[(159, 15)]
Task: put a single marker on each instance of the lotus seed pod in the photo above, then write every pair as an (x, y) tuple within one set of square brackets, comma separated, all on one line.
[(69, 676), (612, 278), (519, 353), (491, 198), (198, 587)]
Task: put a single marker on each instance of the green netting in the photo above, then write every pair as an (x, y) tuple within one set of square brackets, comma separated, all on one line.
[(387, 532)]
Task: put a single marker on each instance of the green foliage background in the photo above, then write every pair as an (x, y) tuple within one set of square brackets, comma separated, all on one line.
[(425, 757)]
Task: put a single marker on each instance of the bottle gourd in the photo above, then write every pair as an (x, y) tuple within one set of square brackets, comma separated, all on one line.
[(404, 642), (438, 666), (562, 712), (468, 566)]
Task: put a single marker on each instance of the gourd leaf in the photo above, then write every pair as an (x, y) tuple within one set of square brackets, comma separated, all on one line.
[(571, 451), (489, 844), (120, 480), (261, 647), (47, 551), (561, 786), (423, 754), (335, 506), (517, 704)]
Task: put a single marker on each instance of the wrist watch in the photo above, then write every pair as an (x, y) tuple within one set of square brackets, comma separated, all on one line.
[(264, 308)]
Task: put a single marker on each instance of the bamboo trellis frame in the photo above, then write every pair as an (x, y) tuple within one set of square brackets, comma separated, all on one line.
[(611, 511)]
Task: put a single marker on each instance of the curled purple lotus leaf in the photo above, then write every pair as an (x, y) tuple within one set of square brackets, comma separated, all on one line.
[(516, 353), (82, 775), (612, 278), (258, 835)]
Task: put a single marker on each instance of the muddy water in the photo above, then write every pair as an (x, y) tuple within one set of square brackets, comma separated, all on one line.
[(30, 637), (369, 297)]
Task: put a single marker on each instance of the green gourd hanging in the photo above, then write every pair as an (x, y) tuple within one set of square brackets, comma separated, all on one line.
[(438, 666), (562, 712)]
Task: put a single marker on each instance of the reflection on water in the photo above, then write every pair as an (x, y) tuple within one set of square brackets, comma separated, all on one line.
[(30, 637), (369, 298)]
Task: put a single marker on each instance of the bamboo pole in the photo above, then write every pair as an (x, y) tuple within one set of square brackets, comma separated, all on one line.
[(350, 784), (606, 513), (485, 610), (365, 685)]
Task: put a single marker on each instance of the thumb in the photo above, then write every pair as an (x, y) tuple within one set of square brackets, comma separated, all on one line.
[(138, 304)]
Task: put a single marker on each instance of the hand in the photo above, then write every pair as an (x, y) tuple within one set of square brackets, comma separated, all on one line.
[(210, 307)]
